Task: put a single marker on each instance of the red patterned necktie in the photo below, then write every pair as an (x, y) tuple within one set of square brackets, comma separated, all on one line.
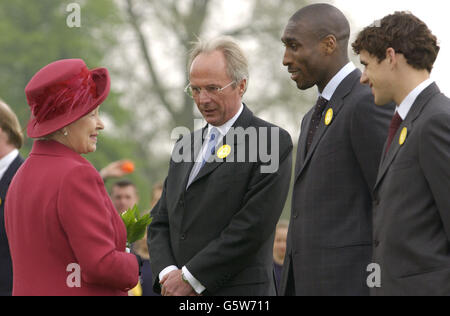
[(395, 124)]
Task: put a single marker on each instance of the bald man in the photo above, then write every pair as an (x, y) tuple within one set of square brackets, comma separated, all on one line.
[(329, 242)]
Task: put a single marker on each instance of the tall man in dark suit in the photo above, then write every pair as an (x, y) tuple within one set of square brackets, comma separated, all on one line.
[(213, 228), (342, 136), (11, 140), (412, 193)]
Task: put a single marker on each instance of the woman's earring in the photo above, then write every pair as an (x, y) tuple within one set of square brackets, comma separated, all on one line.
[(65, 133)]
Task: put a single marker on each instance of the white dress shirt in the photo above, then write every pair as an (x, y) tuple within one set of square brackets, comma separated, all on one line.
[(6, 161), (331, 87), (406, 105), (223, 130)]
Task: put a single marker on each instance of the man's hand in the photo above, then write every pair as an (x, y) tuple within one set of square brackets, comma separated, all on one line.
[(113, 170), (173, 285)]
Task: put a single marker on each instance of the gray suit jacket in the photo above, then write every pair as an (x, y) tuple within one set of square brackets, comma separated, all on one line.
[(222, 227), (329, 240), (412, 203)]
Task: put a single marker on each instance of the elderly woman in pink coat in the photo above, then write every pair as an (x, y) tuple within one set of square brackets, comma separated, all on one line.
[(64, 234)]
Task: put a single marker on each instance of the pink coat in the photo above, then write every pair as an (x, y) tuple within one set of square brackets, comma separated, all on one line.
[(58, 216)]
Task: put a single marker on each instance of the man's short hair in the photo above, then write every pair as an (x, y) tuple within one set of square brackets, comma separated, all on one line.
[(323, 19), (10, 125), (124, 184), (403, 32), (237, 62)]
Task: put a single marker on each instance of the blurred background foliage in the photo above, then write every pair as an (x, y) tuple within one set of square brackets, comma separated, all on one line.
[(145, 44)]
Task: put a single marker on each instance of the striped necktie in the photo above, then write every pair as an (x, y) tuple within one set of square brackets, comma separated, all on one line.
[(206, 154)]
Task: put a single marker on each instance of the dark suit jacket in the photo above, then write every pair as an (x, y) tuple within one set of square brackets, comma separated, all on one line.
[(5, 256), (329, 239), (412, 203), (222, 227)]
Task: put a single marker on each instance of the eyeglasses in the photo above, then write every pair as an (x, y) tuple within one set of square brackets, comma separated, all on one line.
[(211, 90)]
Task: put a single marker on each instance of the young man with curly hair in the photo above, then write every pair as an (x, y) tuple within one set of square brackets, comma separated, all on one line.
[(411, 213)]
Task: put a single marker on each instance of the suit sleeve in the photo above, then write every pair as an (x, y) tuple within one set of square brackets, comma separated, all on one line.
[(250, 227), (87, 222), (158, 239), (369, 131), (434, 156)]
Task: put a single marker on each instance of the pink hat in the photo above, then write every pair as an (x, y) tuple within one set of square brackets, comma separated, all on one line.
[(63, 92)]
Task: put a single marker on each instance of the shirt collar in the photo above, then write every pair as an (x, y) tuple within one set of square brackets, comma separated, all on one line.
[(223, 130), (55, 149), (6, 161), (406, 105), (331, 87)]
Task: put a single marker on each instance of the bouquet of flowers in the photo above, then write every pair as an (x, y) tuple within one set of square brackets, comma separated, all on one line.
[(135, 224)]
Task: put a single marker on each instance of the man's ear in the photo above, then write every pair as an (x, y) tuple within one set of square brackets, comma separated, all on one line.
[(4, 138), (391, 56), (329, 44), (242, 87)]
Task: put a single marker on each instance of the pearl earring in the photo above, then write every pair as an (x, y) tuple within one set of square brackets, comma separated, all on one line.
[(65, 133)]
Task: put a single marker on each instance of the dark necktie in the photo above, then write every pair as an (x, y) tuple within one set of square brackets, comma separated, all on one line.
[(315, 120), (393, 128)]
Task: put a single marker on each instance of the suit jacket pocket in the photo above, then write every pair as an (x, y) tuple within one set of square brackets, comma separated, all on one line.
[(252, 275), (329, 148), (434, 282), (355, 244), (425, 273), (403, 164)]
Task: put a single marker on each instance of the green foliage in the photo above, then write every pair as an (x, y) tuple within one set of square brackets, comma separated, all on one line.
[(111, 149), (135, 224), (34, 34), (133, 35)]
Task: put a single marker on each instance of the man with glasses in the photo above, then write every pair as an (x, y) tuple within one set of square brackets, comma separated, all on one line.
[(213, 228)]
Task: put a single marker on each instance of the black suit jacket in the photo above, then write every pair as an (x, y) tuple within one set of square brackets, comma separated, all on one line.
[(222, 227), (412, 203), (5, 256), (330, 236)]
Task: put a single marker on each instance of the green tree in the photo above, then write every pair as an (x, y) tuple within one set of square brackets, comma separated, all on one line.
[(167, 28), (162, 31), (34, 34), (145, 45)]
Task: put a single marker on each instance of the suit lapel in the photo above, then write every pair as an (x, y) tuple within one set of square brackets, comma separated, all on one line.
[(301, 150), (414, 113), (336, 103), (212, 165), (243, 121), (9, 174), (11, 171), (393, 150), (194, 150)]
